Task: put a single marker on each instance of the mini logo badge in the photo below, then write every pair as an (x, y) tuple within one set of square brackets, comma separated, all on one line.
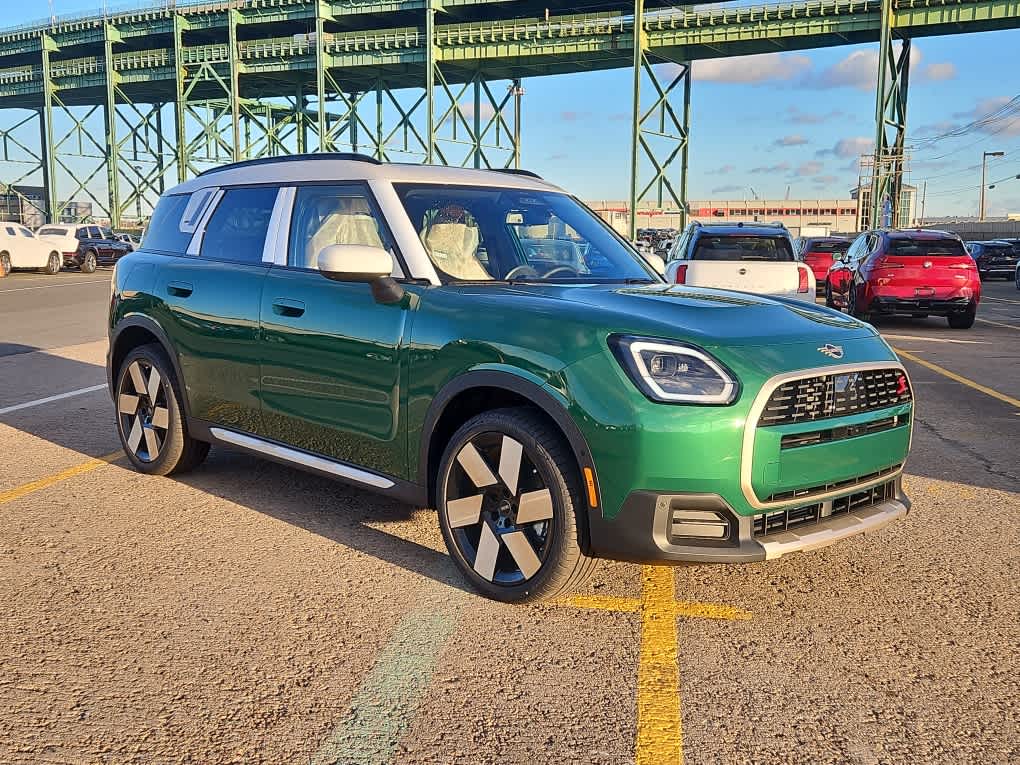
[(832, 351)]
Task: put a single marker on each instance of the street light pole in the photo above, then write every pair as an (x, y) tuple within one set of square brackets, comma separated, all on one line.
[(984, 178)]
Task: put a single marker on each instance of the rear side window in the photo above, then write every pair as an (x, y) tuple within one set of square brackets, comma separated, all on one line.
[(164, 232), (48, 231), (237, 229), (929, 248), (743, 248)]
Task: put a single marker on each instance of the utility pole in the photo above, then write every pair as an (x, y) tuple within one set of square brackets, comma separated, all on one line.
[(984, 178), (924, 195)]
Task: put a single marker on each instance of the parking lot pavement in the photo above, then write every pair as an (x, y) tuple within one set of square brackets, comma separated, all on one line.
[(249, 612)]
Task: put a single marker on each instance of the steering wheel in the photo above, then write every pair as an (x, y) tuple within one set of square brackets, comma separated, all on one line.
[(570, 271), (522, 270)]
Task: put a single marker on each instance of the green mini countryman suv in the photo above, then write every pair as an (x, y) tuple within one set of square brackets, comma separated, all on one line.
[(480, 343)]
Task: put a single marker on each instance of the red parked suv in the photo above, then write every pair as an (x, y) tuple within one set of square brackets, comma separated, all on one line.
[(819, 253), (913, 273)]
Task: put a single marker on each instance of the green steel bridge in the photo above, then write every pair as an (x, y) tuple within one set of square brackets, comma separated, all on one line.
[(139, 99)]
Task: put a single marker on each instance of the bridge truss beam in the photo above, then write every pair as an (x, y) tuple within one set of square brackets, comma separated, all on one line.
[(660, 131)]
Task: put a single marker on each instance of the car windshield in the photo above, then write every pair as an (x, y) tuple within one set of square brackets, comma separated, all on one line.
[(776, 248), (926, 247), (499, 234)]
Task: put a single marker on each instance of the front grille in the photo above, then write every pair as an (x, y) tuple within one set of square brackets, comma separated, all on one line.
[(835, 395), (787, 496), (828, 435), (784, 520)]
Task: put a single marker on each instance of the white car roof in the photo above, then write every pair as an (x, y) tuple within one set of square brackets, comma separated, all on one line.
[(284, 170)]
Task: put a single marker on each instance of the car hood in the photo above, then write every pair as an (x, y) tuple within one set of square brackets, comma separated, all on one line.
[(712, 317)]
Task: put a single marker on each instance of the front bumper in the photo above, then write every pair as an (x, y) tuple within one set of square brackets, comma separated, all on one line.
[(646, 529)]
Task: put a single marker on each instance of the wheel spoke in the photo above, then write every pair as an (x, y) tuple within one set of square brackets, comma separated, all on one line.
[(161, 417), (151, 443), (488, 549), (535, 506), (523, 553), (137, 378), (153, 387), (135, 437), (465, 511), (127, 403), (510, 463), (475, 467)]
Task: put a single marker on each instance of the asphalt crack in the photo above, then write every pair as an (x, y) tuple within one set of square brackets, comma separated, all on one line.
[(967, 449)]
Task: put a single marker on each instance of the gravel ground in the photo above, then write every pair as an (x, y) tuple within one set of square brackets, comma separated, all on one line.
[(238, 614)]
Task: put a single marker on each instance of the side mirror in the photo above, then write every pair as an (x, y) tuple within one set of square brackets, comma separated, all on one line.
[(363, 264)]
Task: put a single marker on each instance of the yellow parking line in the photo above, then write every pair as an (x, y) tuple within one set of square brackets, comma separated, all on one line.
[(84, 467), (659, 732), (962, 380)]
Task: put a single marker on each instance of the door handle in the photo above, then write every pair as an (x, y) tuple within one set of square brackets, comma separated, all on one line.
[(179, 289), (286, 307)]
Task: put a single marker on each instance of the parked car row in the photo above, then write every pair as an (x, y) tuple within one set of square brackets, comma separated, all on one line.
[(55, 246), (997, 258)]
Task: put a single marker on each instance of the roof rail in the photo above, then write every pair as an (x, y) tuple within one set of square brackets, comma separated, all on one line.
[(518, 171), (349, 156)]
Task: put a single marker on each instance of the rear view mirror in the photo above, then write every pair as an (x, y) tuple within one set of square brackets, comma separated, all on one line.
[(364, 264)]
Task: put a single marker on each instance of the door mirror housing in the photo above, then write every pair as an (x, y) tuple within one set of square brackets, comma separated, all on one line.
[(362, 264)]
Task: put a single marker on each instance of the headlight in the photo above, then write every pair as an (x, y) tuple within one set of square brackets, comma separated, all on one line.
[(671, 372)]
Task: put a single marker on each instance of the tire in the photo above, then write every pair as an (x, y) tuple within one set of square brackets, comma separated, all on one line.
[(53, 264), (504, 556), (851, 307), (962, 320), (5, 266), (89, 262), (151, 426)]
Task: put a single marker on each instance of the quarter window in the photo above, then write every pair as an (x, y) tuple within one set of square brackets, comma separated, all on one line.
[(325, 215), (10, 231), (163, 233), (237, 229)]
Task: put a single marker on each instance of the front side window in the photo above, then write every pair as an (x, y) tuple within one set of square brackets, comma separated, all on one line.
[(325, 215), (94, 232), (26, 232), (743, 248), (496, 234), (238, 227), (164, 234)]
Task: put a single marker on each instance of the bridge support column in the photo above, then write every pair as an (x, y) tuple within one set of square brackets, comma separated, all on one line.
[(46, 159), (891, 129), (234, 95), (660, 129), (430, 82), (180, 131), (110, 36)]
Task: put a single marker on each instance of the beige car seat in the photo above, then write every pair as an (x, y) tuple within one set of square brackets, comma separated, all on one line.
[(454, 247), (345, 226)]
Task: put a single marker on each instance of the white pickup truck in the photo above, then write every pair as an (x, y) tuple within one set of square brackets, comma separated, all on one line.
[(747, 257)]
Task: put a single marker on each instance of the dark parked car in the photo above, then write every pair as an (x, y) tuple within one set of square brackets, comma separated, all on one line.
[(819, 252), (84, 246), (913, 273), (996, 258)]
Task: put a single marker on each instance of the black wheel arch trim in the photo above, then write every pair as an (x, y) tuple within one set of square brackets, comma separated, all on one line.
[(152, 326), (540, 398)]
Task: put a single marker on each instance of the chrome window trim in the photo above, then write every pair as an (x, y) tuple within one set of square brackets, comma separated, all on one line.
[(758, 406), (195, 245), (275, 250)]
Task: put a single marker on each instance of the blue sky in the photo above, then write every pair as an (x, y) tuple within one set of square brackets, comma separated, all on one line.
[(789, 119)]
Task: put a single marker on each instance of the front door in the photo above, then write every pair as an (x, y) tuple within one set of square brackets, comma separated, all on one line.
[(332, 358)]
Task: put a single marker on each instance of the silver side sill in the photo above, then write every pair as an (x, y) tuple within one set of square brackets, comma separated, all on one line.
[(832, 530), (302, 458)]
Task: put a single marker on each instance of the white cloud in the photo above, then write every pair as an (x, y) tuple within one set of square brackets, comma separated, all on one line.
[(790, 140), (847, 148), (812, 167), (939, 72), (757, 68), (781, 167), (859, 70)]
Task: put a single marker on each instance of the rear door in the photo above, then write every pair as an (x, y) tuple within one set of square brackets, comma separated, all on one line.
[(932, 267), (210, 297), (758, 264), (332, 356)]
